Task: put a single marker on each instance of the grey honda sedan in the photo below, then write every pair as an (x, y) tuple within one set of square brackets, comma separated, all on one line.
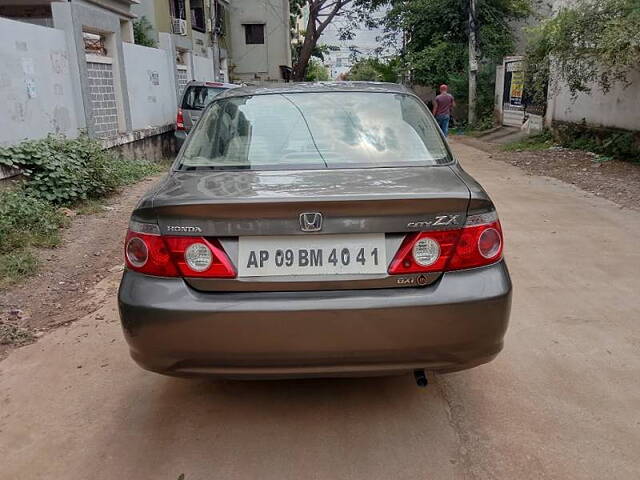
[(315, 230)]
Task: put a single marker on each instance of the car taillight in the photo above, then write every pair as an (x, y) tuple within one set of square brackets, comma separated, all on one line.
[(148, 252), (179, 120), (477, 244), (200, 257)]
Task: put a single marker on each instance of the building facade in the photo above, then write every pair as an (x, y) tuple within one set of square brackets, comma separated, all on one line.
[(615, 109), (259, 40), (189, 21), (244, 40), (338, 62), (40, 12)]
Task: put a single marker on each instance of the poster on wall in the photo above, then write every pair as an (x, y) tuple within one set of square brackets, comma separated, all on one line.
[(517, 86)]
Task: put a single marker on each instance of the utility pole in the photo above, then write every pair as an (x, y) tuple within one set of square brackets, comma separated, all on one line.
[(473, 61), (214, 40), (405, 74)]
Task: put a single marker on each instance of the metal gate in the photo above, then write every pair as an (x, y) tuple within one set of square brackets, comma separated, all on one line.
[(512, 104)]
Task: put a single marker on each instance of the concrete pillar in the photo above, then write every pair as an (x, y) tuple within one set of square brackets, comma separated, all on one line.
[(75, 18), (165, 42), (499, 93), (551, 100), (214, 69), (119, 82), (188, 60), (224, 66), (215, 51), (126, 30), (63, 20)]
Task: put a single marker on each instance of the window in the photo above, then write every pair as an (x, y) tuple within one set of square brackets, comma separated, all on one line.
[(198, 97), (197, 16), (254, 33), (315, 130), (177, 9)]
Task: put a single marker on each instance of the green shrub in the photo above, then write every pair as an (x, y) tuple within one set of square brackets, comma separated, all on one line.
[(63, 171), (623, 145), (481, 125), (26, 220), (607, 143)]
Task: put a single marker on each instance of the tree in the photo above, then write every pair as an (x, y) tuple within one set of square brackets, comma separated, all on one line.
[(436, 35), (141, 32), (316, 72), (373, 69), (473, 61), (319, 51), (321, 14), (593, 43)]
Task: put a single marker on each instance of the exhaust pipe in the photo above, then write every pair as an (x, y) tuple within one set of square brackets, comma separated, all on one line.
[(421, 378)]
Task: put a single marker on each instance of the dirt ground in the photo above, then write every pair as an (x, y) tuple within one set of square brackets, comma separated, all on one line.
[(91, 249), (613, 179), (561, 401)]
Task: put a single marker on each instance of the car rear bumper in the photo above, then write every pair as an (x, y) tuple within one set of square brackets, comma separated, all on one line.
[(456, 323)]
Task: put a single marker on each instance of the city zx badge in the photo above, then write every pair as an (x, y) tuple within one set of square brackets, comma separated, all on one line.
[(438, 221)]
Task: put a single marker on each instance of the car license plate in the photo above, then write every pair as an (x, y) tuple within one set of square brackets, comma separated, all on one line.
[(312, 255)]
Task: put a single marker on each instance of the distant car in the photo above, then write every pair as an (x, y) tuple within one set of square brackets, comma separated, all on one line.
[(315, 230), (196, 96)]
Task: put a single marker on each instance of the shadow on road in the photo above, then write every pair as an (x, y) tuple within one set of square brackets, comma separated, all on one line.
[(378, 427)]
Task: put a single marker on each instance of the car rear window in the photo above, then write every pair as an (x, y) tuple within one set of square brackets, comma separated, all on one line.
[(315, 130), (198, 97)]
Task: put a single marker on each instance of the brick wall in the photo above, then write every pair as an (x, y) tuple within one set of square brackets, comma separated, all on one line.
[(103, 99)]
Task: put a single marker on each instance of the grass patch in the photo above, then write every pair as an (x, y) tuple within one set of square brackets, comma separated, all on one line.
[(17, 265), (28, 221), (126, 171), (11, 334), (538, 141), (59, 172), (90, 207)]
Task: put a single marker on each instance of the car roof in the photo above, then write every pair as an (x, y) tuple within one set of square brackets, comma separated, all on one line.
[(195, 83), (314, 87)]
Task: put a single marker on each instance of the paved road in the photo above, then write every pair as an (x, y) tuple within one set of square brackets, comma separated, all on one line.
[(562, 401)]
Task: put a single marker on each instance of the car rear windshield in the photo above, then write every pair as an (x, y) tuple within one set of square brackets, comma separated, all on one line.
[(198, 97), (314, 130)]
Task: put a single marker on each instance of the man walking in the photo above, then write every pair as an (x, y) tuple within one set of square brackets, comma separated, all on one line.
[(442, 106)]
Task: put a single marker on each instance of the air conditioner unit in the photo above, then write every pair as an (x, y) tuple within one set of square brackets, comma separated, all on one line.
[(179, 26)]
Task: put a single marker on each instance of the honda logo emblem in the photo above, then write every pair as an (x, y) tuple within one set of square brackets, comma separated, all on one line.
[(311, 222)]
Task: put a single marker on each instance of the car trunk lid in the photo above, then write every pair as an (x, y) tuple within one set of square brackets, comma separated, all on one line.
[(235, 203)]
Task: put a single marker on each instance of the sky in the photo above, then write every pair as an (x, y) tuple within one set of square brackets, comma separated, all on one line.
[(365, 39)]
